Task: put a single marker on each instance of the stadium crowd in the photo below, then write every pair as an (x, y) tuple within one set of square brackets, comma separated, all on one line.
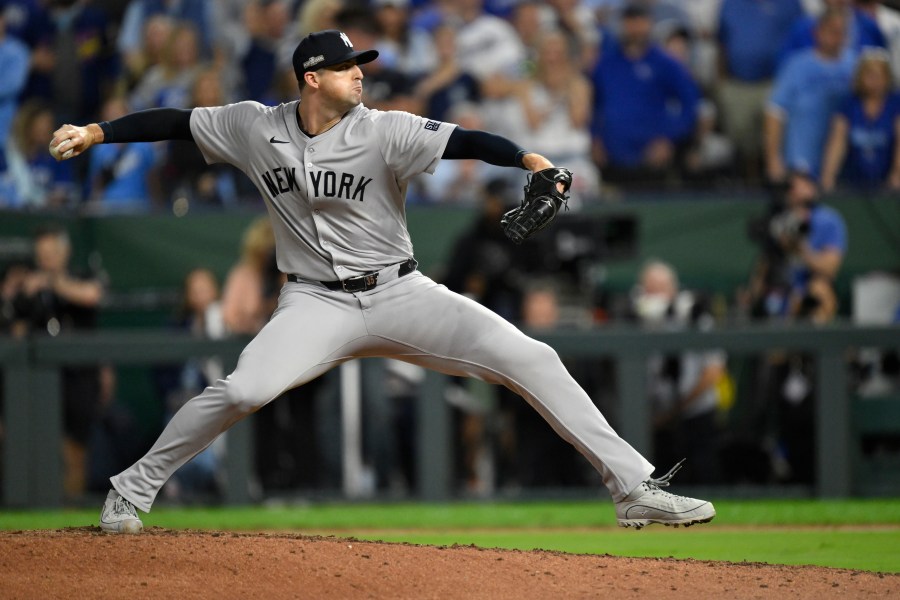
[(633, 93)]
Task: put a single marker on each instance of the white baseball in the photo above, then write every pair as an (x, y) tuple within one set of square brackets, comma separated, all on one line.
[(58, 155)]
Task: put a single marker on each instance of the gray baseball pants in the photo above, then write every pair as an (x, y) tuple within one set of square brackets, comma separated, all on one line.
[(412, 319)]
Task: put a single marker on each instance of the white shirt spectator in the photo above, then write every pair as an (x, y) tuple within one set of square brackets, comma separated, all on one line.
[(487, 46)]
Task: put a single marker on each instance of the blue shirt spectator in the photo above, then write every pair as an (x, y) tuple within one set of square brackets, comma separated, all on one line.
[(827, 232), (196, 12), (862, 31), (806, 93), (29, 21), (871, 141), (84, 64), (640, 99), (863, 135), (808, 89), (33, 178), (36, 181), (119, 174), (751, 33), (13, 76)]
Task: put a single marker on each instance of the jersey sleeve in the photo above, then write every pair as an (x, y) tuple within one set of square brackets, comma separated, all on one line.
[(411, 144), (221, 132)]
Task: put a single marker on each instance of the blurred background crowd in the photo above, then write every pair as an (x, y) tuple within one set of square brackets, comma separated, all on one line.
[(786, 102), (658, 93)]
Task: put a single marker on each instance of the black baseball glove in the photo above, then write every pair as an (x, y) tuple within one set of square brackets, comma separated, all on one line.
[(540, 205)]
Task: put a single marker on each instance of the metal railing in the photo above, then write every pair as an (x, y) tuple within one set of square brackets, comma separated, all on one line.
[(33, 412)]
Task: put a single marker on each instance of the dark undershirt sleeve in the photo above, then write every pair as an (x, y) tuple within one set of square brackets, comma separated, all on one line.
[(150, 125), (481, 145)]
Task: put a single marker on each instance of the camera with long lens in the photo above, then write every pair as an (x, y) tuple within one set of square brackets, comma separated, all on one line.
[(788, 225)]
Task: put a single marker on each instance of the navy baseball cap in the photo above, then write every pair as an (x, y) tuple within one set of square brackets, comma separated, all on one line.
[(325, 48)]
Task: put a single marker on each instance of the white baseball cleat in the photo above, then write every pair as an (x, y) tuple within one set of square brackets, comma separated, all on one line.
[(647, 504), (119, 515)]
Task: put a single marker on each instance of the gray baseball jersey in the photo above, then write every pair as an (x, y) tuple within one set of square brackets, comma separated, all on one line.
[(337, 204), (336, 200)]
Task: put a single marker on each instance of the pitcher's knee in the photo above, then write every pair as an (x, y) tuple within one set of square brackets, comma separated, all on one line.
[(244, 398), (542, 355), (533, 357)]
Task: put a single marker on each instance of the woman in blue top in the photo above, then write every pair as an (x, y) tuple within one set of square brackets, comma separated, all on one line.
[(863, 146)]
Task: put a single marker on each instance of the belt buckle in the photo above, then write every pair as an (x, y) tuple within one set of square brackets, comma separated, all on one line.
[(360, 283)]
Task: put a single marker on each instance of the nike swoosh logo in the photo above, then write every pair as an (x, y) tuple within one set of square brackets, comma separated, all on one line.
[(272, 140)]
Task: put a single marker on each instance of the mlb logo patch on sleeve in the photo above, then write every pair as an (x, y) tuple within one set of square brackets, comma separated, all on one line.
[(432, 125)]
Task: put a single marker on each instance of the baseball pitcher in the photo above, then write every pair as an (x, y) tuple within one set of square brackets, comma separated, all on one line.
[(333, 175)]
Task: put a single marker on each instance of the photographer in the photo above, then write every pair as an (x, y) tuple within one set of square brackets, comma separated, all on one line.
[(51, 300), (803, 247)]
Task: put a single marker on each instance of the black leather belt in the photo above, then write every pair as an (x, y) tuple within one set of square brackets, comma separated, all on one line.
[(364, 282)]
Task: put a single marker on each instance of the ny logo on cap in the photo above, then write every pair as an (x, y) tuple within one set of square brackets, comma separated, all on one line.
[(346, 39)]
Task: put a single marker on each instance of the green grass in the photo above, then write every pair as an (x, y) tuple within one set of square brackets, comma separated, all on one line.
[(857, 534)]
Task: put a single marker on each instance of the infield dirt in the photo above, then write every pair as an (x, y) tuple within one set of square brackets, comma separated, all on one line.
[(161, 563)]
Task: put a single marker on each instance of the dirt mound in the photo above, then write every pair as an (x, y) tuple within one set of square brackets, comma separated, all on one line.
[(160, 563)]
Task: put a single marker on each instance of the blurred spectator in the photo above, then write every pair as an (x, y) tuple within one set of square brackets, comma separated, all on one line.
[(402, 47), (576, 20), (888, 20), (84, 64), (815, 256), (750, 34), (710, 153), (665, 13), (168, 84), (11, 323), (53, 300), (200, 314), (860, 30), (483, 265), (550, 112), (122, 176), (26, 20), (266, 22), (252, 285), (138, 61), (703, 30), (807, 90), (683, 387), (536, 457), (527, 19), (812, 240), (316, 15), (459, 181), (448, 85), (645, 104), (284, 431), (185, 174), (487, 45), (385, 87), (14, 59), (865, 133), (198, 13), (803, 251), (30, 22), (33, 178)]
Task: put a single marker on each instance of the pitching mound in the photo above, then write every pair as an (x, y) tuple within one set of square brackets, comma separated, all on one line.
[(86, 563)]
